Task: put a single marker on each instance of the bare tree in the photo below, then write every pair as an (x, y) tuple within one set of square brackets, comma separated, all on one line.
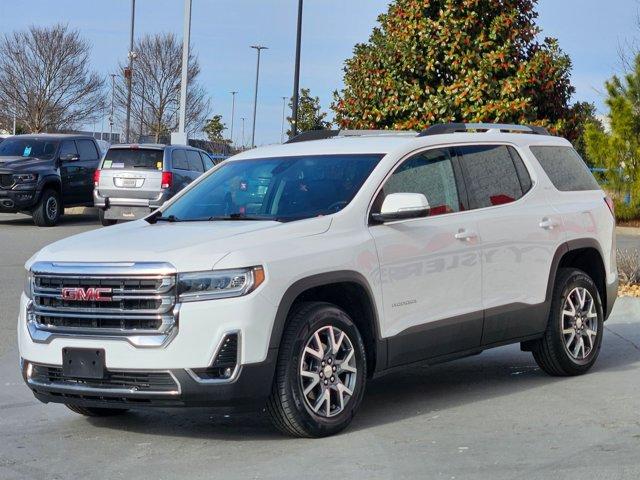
[(45, 79), (156, 88)]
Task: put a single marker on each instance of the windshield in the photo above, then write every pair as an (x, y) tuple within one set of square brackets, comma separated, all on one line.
[(29, 148), (282, 189), (145, 158)]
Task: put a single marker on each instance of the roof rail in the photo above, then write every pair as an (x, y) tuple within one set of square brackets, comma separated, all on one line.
[(325, 134), (445, 128), (313, 135)]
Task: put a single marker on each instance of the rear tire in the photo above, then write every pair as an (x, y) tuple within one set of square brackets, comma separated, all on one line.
[(318, 384), (47, 212), (105, 221), (96, 411), (572, 341)]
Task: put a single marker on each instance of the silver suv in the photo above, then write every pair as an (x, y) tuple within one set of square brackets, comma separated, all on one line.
[(134, 180)]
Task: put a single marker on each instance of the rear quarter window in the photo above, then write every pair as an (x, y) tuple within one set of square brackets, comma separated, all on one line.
[(135, 158), (565, 168)]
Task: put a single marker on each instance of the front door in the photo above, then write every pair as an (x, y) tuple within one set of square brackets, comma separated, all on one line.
[(430, 268), (70, 174)]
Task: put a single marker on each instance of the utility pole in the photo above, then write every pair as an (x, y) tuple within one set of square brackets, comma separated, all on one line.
[(185, 73), (129, 71), (233, 112), (243, 119), (141, 109), (284, 114), (296, 75), (259, 49), (113, 94)]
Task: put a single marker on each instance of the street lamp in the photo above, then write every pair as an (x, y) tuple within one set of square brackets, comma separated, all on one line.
[(259, 49), (233, 112), (284, 106), (185, 73), (296, 75), (113, 94), (129, 71), (243, 119)]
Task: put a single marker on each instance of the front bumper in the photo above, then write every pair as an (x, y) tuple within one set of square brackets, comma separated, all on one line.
[(13, 201), (248, 391)]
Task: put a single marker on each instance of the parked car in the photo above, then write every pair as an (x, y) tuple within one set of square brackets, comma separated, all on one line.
[(289, 275), (134, 180), (43, 174)]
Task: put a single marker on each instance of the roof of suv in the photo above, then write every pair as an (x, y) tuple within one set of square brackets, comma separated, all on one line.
[(387, 143), (151, 146)]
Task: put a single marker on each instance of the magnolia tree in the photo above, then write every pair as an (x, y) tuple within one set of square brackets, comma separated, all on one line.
[(433, 61)]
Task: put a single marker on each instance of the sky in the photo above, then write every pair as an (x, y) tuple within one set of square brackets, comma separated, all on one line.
[(222, 31)]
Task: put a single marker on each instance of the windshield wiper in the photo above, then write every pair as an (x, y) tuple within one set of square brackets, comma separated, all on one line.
[(159, 218), (239, 217)]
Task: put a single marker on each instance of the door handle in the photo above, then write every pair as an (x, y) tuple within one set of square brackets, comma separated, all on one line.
[(548, 224), (465, 236)]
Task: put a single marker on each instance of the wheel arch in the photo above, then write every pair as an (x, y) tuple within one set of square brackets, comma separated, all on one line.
[(586, 255), (54, 183), (348, 290)]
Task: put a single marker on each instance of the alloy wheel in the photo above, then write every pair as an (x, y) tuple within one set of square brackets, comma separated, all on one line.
[(51, 208), (328, 371), (579, 323)]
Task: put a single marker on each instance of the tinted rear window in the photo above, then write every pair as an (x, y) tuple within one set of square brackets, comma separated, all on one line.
[(490, 175), (566, 170), (122, 158)]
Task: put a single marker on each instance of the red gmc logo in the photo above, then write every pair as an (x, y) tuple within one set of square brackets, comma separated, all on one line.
[(87, 294)]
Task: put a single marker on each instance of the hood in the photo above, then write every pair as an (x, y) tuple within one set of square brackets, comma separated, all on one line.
[(22, 164), (189, 246)]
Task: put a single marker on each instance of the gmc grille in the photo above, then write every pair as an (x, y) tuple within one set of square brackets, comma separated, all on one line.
[(137, 305)]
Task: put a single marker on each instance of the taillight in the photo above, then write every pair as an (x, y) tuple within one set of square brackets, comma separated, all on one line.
[(167, 179), (611, 205), (96, 177)]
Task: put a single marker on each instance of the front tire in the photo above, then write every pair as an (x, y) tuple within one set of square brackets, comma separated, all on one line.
[(321, 372), (47, 212), (572, 341), (96, 411)]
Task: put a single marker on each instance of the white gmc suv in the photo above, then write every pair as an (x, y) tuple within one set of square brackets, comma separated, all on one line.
[(287, 276)]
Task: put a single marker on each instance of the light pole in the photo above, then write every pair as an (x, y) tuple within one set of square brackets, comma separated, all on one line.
[(129, 73), (141, 109), (243, 119), (113, 94), (296, 75), (259, 49), (185, 72), (284, 106), (15, 113), (233, 112)]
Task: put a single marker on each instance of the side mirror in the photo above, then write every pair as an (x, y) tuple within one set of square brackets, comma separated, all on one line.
[(402, 206), (70, 157)]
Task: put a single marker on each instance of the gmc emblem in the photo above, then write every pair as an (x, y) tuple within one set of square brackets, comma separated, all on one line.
[(87, 294)]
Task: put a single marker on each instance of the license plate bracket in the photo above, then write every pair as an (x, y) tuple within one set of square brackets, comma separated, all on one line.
[(83, 363)]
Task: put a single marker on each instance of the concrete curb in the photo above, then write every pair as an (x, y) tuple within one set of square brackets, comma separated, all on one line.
[(628, 231), (81, 211)]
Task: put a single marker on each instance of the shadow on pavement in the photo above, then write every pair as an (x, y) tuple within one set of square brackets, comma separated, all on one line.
[(395, 397), (67, 219)]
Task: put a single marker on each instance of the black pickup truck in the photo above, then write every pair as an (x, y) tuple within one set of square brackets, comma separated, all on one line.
[(43, 174)]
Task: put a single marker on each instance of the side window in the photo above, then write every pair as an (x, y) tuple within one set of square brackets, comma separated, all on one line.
[(207, 162), (430, 173), (566, 170), (490, 175), (179, 160), (68, 147), (523, 173), (195, 163), (87, 150)]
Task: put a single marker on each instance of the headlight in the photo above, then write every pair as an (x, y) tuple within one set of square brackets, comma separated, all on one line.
[(25, 177), (28, 284), (214, 284)]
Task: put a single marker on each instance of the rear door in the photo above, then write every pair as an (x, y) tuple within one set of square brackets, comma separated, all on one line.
[(195, 164), (180, 169), (70, 173), (89, 159), (132, 173), (516, 252)]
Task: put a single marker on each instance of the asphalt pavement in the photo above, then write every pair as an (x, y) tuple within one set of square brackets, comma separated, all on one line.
[(492, 416)]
